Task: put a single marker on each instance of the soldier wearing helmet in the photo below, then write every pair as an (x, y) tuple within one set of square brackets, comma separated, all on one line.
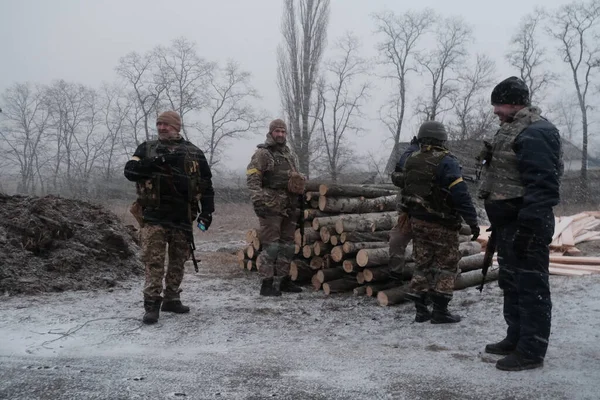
[(435, 198)]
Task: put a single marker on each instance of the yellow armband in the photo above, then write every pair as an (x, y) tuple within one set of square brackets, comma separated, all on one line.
[(456, 182)]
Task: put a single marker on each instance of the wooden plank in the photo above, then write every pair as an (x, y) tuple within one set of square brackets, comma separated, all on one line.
[(562, 224), (592, 225), (577, 226), (567, 237), (580, 216), (586, 237), (574, 260), (567, 272)]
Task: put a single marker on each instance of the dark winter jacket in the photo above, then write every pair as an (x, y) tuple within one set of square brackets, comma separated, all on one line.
[(175, 189), (539, 162)]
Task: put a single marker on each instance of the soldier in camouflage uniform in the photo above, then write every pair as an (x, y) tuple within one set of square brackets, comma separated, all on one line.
[(521, 181), (435, 197), (276, 187), (172, 176)]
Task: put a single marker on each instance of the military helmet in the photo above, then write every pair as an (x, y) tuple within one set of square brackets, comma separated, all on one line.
[(433, 130), (511, 91)]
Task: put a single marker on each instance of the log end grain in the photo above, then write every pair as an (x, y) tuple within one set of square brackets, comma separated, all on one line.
[(382, 299)]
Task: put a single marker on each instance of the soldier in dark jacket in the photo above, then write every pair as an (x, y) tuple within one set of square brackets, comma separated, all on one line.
[(172, 176), (400, 235), (521, 180), (435, 197), (275, 186)]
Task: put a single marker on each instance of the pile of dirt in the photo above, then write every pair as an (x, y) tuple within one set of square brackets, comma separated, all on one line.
[(55, 244)]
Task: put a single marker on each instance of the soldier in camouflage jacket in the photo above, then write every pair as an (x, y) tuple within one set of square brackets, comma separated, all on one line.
[(276, 188), (174, 186)]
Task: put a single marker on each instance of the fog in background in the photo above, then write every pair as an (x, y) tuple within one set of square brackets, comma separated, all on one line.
[(82, 42)]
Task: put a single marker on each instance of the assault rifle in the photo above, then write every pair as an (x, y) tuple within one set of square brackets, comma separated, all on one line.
[(488, 258), (300, 221), (190, 240)]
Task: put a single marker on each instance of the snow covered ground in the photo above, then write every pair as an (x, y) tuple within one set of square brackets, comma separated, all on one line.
[(237, 345)]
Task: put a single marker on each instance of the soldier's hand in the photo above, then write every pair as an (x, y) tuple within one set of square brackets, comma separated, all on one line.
[(296, 183), (205, 219), (522, 241), (475, 230)]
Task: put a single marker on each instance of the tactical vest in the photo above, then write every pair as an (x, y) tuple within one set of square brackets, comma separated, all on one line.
[(148, 190), (283, 164), (501, 179), (422, 193)]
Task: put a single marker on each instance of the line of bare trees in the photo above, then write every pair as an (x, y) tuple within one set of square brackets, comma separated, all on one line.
[(65, 136), (68, 138), (424, 59)]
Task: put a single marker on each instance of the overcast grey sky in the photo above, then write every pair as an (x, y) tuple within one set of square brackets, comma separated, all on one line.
[(82, 41)]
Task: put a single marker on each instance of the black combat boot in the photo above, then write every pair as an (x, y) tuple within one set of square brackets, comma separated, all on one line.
[(440, 314), (516, 361), (174, 306), (152, 307), (504, 347), (423, 313), (287, 285), (267, 289)]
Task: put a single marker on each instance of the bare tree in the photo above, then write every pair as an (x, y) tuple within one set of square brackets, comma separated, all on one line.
[(565, 114), (304, 30), (343, 92), (575, 27), (115, 110), (472, 110), (138, 72), (68, 107), (90, 144), (231, 114), (25, 130), (136, 121), (398, 48), (443, 64), (377, 162), (184, 76), (529, 56)]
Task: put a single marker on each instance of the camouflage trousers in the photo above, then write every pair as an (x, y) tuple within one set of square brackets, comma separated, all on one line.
[(400, 237), (155, 240), (276, 236), (435, 250)]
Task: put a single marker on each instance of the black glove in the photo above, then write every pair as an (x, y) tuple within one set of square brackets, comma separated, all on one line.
[(522, 241), (205, 219), (475, 232)]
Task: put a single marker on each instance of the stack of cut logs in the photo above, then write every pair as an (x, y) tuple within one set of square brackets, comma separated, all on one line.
[(344, 246)]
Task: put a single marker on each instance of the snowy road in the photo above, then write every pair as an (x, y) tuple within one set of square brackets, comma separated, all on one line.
[(236, 345)]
